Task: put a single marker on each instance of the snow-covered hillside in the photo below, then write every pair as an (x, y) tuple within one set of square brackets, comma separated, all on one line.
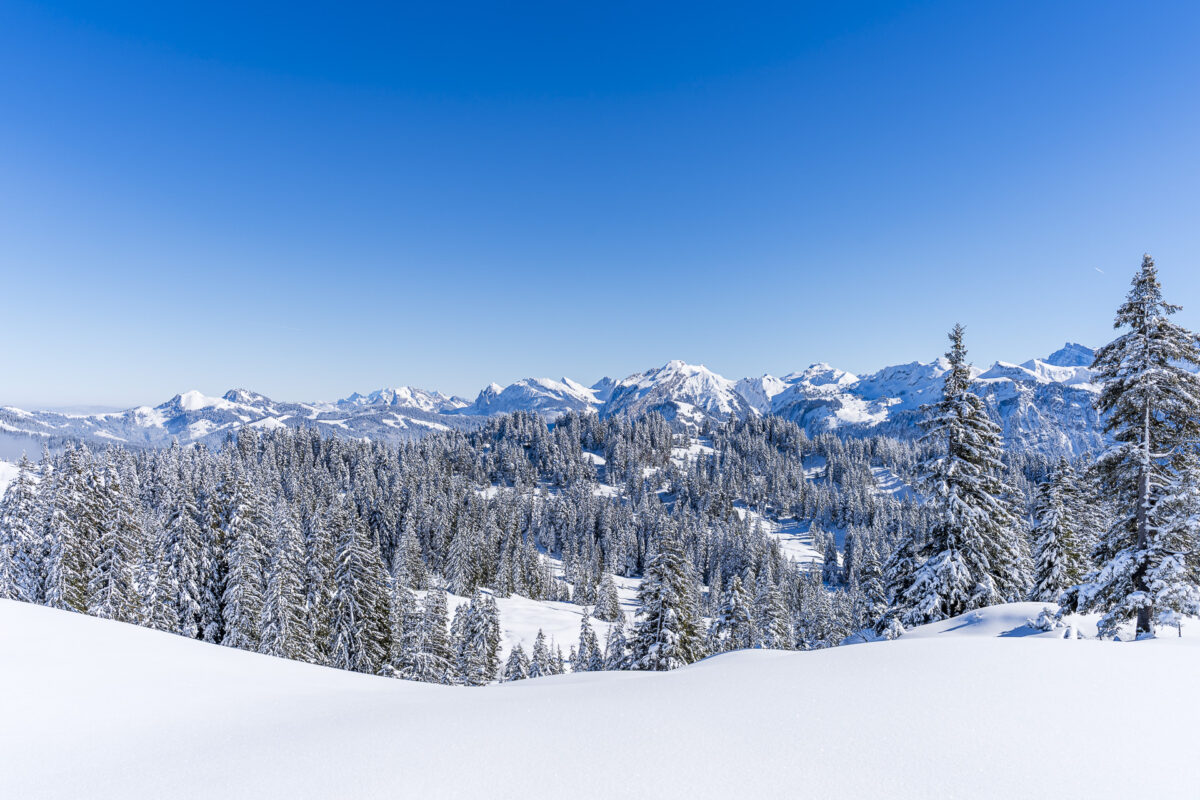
[(1041, 403), (979, 706)]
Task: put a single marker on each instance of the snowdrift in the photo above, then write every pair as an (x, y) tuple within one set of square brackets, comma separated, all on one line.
[(981, 706)]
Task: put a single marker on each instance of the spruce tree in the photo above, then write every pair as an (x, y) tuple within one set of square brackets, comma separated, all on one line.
[(1150, 403), (19, 533), (1060, 560), (734, 627), (667, 633), (973, 555), (517, 666)]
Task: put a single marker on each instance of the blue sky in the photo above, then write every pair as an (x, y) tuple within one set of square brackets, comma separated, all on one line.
[(312, 199)]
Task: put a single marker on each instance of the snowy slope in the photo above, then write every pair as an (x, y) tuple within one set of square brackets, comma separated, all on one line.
[(106, 710)]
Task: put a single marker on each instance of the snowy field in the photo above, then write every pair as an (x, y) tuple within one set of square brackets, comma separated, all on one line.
[(980, 706)]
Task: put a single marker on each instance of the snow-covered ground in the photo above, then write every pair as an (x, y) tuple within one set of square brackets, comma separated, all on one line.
[(8, 473), (99, 709), (522, 618)]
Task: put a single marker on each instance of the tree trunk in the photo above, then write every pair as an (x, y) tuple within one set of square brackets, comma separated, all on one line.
[(1143, 526)]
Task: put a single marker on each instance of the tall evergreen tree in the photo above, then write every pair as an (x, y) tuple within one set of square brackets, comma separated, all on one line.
[(667, 632), (1060, 557), (734, 628), (1151, 408), (973, 554)]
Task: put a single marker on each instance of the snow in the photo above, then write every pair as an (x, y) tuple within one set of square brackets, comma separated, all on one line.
[(794, 537), (8, 474), (889, 483), (107, 710), (194, 401)]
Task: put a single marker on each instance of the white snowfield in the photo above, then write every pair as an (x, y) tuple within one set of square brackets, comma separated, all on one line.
[(101, 709)]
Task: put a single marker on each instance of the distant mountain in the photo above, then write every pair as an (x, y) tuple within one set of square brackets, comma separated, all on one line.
[(678, 391), (1041, 403), (192, 417), (548, 397), (406, 397), (1072, 355)]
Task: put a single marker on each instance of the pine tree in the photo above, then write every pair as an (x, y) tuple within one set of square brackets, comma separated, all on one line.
[(284, 631), (1060, 557), (734, 627), (616, 649), (433, 661), (973, 555), (539, 661), (353, 600), (111, 590), (184, 563), (517, 666), (773, 620), (588, 657), (608, 602), (667, 633), (243, 532), (477, 640), (1151, 408), (20, 536)]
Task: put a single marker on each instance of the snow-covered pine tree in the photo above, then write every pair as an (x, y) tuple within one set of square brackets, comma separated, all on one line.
[(1151, 408), (517, 666), (243, 532), (588, 657), (111, 591), (1173, 579), (285, 633), (773, 620), (539, 660), (433, 661), (734, 628), (354, 596), (831, 572), (667, 632), (184, 561), (973, 555), (616, 648), (477, 635), (20, 537), (1060, 560), (66, 540), (608, 602)]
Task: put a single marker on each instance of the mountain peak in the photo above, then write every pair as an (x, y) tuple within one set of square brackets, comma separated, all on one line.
[(1072, 354)]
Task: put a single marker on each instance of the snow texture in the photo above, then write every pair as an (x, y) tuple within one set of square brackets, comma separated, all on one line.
[(963, 708)]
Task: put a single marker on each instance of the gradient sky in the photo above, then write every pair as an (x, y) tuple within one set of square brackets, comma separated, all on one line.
[(313, 199)]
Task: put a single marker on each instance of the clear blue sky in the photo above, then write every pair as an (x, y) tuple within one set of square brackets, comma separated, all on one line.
[(312, 199)]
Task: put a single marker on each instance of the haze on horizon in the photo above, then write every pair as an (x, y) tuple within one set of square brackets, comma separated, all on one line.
[(311, 202)]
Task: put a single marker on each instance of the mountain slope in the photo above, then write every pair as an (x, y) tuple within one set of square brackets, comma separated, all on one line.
[(978, 707)]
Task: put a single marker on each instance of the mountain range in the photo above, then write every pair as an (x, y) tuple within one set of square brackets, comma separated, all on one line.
[(1043, 403)]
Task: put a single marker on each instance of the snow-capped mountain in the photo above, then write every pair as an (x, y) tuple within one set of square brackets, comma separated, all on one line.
[(678, 391), (1042, 403), (406, 397), (192, 417), (1039, 403), (546, 396)]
